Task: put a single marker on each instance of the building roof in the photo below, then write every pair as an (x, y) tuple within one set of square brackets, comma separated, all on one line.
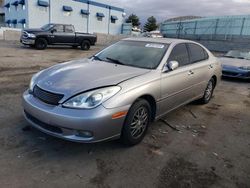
[(182, 18)]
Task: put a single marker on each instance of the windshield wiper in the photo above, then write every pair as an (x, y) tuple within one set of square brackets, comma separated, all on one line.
[(229, 56), (97, 58), (116, 61)]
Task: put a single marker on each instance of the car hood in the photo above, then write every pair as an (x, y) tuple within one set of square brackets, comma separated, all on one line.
[(234, 62), (78, 76)]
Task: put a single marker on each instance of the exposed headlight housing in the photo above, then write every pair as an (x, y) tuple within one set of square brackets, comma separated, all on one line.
[(31, 35), (92, 99), (32, 81), (245, 67)]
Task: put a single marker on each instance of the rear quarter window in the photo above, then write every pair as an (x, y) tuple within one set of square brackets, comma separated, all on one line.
[(197, 53)]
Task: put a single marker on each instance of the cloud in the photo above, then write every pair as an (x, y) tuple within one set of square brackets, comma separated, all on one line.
[(164, 9)]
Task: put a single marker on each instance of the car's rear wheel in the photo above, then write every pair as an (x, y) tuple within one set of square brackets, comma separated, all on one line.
[(41, 44), (136, 123), (208, 93), (85, 45)]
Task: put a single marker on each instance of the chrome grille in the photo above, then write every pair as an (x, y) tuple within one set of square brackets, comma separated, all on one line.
[(24, 34), (46, 96)]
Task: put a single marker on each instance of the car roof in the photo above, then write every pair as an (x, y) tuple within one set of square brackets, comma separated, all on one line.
[(159, 40), (60, 24)]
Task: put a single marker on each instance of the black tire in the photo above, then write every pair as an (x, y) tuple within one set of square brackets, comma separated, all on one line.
[(135, 128), (41, 44), (208, 93), (85, 45)]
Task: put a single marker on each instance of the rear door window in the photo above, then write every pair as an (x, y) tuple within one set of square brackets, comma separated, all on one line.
[(180, 54), (69, 29), (197, 53)]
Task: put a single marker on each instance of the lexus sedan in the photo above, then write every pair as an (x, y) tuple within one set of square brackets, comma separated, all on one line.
[(236, 64), (117, 92)]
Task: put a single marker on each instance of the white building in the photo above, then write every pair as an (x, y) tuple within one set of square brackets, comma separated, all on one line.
[(86, 15)]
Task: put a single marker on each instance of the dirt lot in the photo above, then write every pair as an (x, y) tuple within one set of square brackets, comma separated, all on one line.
[(212, 148)]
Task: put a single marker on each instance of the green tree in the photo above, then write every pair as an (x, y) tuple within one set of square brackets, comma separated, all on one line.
[(134, 20), (151, 24)]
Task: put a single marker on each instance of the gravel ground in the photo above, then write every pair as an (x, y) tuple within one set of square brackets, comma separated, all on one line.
[(211, 148)]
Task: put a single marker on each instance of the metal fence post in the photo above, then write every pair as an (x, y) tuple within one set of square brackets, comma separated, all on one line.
[(216, 27), (195, 27), (242, 26), (179, 29)]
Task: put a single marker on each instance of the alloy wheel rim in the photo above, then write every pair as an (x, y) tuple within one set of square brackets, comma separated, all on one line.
[(209, 90), (139, 122)]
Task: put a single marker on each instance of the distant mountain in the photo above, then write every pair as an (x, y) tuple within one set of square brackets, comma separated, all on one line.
[(182, 18)]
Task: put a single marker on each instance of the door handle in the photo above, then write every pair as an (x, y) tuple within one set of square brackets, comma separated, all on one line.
[(190, 72)]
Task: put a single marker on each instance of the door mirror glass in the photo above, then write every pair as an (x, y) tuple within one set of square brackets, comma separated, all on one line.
[(172, 65), (53, 30)]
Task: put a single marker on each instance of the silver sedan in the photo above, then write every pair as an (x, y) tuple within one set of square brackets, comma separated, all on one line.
[(120, 90)]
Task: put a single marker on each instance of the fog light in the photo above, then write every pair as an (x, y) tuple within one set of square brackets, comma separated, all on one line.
[(85, 134)]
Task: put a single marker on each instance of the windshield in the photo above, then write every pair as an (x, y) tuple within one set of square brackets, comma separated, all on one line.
[(47, 27), (240, 54), (146, 55)]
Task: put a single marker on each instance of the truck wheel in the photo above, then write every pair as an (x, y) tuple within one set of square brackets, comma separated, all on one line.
[(136, 123), (41, 44), (85, 45)]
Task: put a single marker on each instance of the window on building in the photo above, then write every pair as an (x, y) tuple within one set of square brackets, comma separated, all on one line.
[(100, 16), (84, 13), (179, 54), (23, 23), (22, 3), (8, 23), (43, 5), (113, 19), (67, 10), (7, 6)]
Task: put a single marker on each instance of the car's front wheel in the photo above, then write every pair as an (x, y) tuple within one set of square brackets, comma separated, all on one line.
[(208, 93), (136, 123), (41, 44)]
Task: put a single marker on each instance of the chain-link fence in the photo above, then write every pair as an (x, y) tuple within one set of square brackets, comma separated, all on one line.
[(212, 28)]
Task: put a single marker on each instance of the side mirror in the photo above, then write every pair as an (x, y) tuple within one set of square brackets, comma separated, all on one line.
[(53, 30), (172, 65)]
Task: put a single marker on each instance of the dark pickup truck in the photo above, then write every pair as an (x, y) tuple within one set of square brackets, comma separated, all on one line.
[(57, 34)]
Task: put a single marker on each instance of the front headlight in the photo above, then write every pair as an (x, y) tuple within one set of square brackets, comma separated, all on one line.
[(33, 79), (31, 35), (245, 68), (92, 99)]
